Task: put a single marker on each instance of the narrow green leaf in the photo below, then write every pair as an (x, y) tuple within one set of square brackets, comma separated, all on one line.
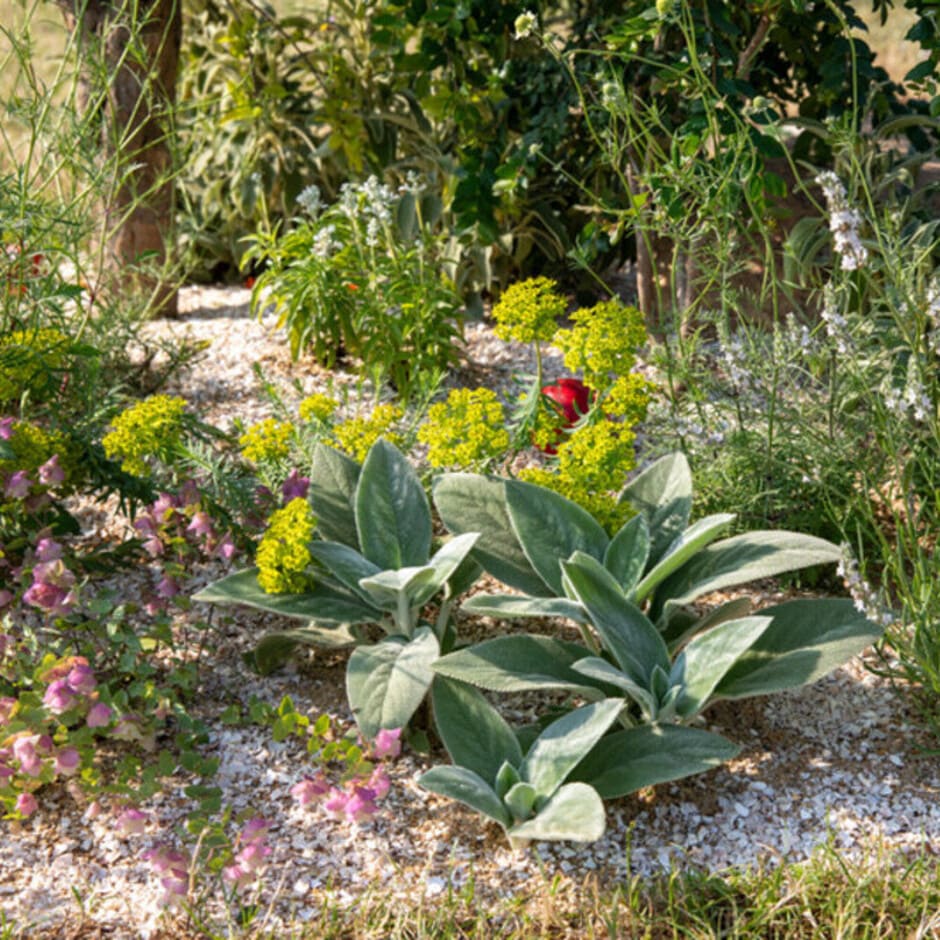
[(708, 657), (551, 528), (521, 663), (506, 779), (469, 502), (386, 587), (603, 673), (520, 800), (445, 561), (625, 631), (675, 631), (458, 783), (512, 605), (805, 640), (628, 552), (743, 558), (575, 812), (565, 742), (393, 519), (684, 547), (333, 480), (387, 682), (663, 494), (344, 563), (474, 733), (323, 603), (630, 760)]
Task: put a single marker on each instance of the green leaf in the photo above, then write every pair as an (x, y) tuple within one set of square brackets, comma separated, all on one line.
[(323, 603), (521, 663), (708, 657), (469, 502), (550, 528), (680, 623), (574, 812), (625, 631), (458, 783), (506, 778), (273, 650), (805, 640), (512, 605), (520, 800), (630, 760), (663, 494), (604, 673), (386, 587), (743, 558), (692, 540), (628, 552), (474, 733), (448, 558), (333, 480), (344, 563), (393, 518), (387, 682), (565, 742)]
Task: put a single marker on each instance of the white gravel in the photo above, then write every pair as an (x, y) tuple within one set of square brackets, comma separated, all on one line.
[(838, 761)]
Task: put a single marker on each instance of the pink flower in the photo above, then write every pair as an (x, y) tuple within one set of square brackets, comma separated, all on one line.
[(295, 486), (379, 783), (67, 761), (7, 705), (154, 547), (238, 877), (24, 750), (174, 866), (387, 743), (6, 428), (18, 485), (55, 600), (252, 856), (81, 678), (310, 789), (226, 548), (131, 822), (201, 525), (59, 697), (95, 809), (361, 805), (335, 804), (175, 889), (5, 597), (167, 588), (145, 525), (99, 715), (256, 829), (48, 550), (26, 804), (50, 473)]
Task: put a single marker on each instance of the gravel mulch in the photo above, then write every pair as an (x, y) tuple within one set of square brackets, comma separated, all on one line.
[(840, 760)]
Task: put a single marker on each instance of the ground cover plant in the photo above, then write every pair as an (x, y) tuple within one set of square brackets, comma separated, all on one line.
[(371, 516)]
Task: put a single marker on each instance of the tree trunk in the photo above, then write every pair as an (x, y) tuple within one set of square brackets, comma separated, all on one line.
[(138, 45)]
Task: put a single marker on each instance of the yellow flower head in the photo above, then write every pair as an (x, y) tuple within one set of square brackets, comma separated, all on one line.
[(27, 358), (528, 311), (468, 429), (268, 440), (34, 445), (283, 553), (604, 340), (629, 398), (318, 407), (149, 428), (597, 458), (357, 435)]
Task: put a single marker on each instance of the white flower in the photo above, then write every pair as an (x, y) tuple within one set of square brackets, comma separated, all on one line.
[(525, 24)]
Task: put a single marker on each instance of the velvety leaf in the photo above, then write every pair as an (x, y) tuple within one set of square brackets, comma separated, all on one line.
[(551, 528), (474, 733), (744, 558), (676, 631), (575, 812), (333, 480), (344, 563), (625, 631), (630, 760), (522, 663), (469, 502), (465, 576), (445, 561), (322, 603), (603, 673), (692, 540), (512, 605), (458, 783), (708, 657), (273, 650), (520, 800), (565, 742), (507, 777), (628, 552), (386, 587), (393, 518), (387, 682), (806, 639), (663, 494)]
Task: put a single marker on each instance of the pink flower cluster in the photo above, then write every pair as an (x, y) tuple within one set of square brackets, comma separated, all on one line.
[(53, 585), (172, 866), (171, 528), (357, 800), (252, 852)]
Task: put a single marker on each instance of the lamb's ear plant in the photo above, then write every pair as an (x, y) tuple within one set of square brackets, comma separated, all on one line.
[(525, 793), (370, 563)]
